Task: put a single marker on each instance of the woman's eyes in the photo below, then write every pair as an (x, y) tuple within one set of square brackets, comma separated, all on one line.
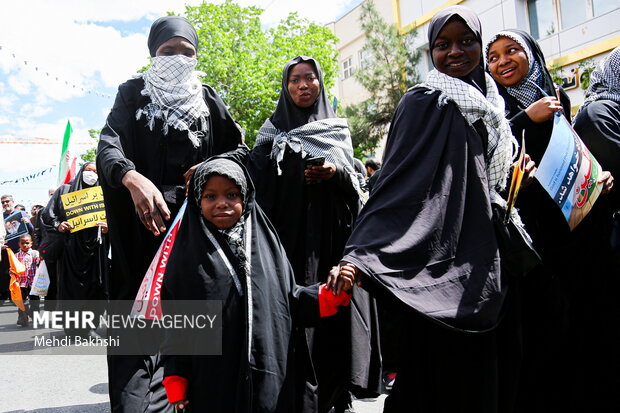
[(492, 59), (209, 196), (468, 41)]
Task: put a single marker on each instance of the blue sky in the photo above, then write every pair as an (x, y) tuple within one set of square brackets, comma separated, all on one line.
[(89, 46)]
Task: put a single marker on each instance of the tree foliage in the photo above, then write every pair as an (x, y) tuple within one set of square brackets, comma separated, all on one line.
[(387, 73), (243, 61), (90, 154)]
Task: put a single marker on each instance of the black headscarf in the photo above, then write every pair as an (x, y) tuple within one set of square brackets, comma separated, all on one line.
[(165, 28), (471, 20), (288, 115)]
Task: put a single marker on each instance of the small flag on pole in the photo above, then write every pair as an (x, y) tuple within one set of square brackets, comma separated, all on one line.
[(68, 159)]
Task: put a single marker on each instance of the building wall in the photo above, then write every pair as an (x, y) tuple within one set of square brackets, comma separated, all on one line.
[(592, 38), (352, 39)]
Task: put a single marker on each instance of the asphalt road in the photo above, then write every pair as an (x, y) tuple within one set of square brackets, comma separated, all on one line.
[(33, 381)]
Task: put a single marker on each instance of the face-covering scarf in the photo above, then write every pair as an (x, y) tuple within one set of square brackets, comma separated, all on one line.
[(605, 80), (530, 89), (474, 105), (172, 83)]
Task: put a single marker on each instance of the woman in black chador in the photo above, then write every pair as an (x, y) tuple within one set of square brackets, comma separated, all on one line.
[(312, 204), (426, 241), (554, 299), (83, 265), (163, 122)]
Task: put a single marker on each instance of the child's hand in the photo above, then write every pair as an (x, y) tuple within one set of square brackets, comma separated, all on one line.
[(180, 405)]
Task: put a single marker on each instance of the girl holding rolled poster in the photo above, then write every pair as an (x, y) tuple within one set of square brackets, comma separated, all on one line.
[(559, 298)]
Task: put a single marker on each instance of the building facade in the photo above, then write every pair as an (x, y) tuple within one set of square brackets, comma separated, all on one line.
[(573, 34)]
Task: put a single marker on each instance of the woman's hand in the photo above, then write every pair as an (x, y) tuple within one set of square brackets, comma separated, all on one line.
[(529, 171), (148, 200), (341, 278), (64, 227), (180, 405), (320, 173), (607, 180), (187, 176), (103, 226), (543, 109)]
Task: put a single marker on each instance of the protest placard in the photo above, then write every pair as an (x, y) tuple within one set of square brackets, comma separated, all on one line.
[(84, 208), (569, 172)]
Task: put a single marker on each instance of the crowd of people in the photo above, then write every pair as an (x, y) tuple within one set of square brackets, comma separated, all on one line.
[(333, 274)]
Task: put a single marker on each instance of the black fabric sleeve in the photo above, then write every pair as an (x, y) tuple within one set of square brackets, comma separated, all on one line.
[(305, 305), (114, 142), (342, 179)]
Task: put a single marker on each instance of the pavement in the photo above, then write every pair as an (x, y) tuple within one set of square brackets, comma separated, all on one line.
[(33, 381)]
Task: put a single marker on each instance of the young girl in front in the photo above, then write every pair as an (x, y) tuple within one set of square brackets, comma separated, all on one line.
[(227, 250)]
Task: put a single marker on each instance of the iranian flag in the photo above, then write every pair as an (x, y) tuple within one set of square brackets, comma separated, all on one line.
[(67, 168)]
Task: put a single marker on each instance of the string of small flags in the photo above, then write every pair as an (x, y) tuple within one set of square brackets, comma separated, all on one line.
[(43, 72), (29, 177)]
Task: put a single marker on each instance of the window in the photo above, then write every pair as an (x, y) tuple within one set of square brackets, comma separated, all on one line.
[(572, 12), (603, 6), (542, 19), (347, 68), (365, 57), (549, 16)]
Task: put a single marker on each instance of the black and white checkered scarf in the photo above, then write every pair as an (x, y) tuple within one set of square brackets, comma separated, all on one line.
[(176, 96), (329, 138), (605, 80), (529, 90), (502, 146)]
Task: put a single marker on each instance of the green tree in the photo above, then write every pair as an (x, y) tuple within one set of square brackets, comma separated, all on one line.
[(90, 154), (387, 72), (243, 62)]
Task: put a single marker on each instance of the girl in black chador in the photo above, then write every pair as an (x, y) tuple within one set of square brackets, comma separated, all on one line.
[(568, 348), (302, 166), (226, 249)]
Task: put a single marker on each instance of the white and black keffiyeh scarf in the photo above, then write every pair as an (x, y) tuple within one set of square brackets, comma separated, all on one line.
[(176, 96), (502, 146), (605, 80), (329, 138), (527, 91)]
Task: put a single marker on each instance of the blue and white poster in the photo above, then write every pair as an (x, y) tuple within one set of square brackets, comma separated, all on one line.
[(569, 173)]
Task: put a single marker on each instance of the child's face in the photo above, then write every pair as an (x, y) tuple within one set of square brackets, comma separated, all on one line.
[(221, 202), (25, 244)]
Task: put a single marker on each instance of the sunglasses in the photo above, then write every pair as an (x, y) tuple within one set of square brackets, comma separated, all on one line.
[(5, 202)]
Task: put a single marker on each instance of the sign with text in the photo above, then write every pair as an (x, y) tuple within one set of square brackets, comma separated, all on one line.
[(84, 208), (569, 173)]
